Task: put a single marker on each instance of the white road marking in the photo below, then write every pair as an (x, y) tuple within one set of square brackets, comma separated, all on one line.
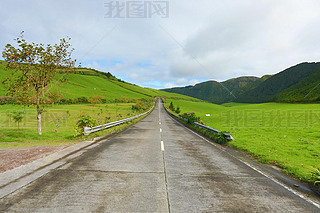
[(159, 123), (262, 173), (162, 146), (160, 130)]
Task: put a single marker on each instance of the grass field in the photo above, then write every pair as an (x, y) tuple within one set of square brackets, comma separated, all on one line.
[(58, 123), (285, 135)]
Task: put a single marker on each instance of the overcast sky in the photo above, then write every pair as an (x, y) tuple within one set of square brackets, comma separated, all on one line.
[(179, 42)]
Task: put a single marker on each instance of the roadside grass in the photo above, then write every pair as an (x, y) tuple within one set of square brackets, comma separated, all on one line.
[(58, 123), (284, 135)]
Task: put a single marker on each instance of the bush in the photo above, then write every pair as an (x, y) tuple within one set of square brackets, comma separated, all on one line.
[(171, 107), (191, 117), (178, 110), (7, 100), (141, 104), (82, 100), (96, 99), (315, 176), (84, 120), (220, 138)]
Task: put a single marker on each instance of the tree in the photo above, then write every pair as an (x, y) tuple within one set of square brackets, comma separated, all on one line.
[(178, 110), (171, 107), (17, 117), (34, 68)]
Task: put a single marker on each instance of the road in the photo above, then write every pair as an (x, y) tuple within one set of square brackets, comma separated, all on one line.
[(157, 165)]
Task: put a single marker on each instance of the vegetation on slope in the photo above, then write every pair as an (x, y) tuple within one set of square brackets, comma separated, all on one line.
[(86, 83), (299, 83)]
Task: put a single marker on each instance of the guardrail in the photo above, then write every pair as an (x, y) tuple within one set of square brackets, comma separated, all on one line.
[(227, 135), (89, 130)]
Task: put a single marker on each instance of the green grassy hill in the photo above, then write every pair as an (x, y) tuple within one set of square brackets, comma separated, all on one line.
[(218, 92), (307, 90), (87, 83), (299, 83), (270, 88)]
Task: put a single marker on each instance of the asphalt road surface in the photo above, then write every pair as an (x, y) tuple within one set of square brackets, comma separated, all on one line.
[(157, 165)]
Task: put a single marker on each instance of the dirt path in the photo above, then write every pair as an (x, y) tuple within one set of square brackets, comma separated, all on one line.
[(12, 158)]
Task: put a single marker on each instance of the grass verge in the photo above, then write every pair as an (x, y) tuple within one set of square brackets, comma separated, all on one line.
[(284, 135)]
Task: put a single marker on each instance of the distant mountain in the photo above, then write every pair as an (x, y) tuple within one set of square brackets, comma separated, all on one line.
[(306, 90), (270, 88), (299, 83), (217, 92)]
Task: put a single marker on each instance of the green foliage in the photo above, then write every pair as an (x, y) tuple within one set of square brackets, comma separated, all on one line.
[(315, 176), (17, 117), (96, 99), (191, 117), (35, 67), (142, 104), (177, 110), (7, 100), (84, 121), (220, 138), (171, 107)]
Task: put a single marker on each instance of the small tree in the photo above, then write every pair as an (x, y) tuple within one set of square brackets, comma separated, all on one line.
[(17, 117), (171, 107), (178, 110), (35, 67)]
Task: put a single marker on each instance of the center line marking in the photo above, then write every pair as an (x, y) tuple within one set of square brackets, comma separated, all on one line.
[(162, 146), (160, 130)]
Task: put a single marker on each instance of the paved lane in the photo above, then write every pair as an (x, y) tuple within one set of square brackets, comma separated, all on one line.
[(203, 178), (136, 172), (123, 174)]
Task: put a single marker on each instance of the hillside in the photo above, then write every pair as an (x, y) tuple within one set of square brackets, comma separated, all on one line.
[(87, 83), (307, 90), (299, 83), (270, 88), (217, 92)]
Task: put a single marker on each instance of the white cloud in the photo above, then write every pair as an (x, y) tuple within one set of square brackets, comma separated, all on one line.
[(170, 85), (199, 41)]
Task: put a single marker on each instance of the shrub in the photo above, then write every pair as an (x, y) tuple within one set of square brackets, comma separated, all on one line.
[(315, 177), (96, 99), (220, 138), (191, 117), (84, 120), (141, 104), (178, 110), (82, 100), (7, 100), (171, 107)]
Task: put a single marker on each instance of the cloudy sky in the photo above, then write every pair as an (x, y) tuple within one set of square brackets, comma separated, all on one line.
[(175, 42)]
